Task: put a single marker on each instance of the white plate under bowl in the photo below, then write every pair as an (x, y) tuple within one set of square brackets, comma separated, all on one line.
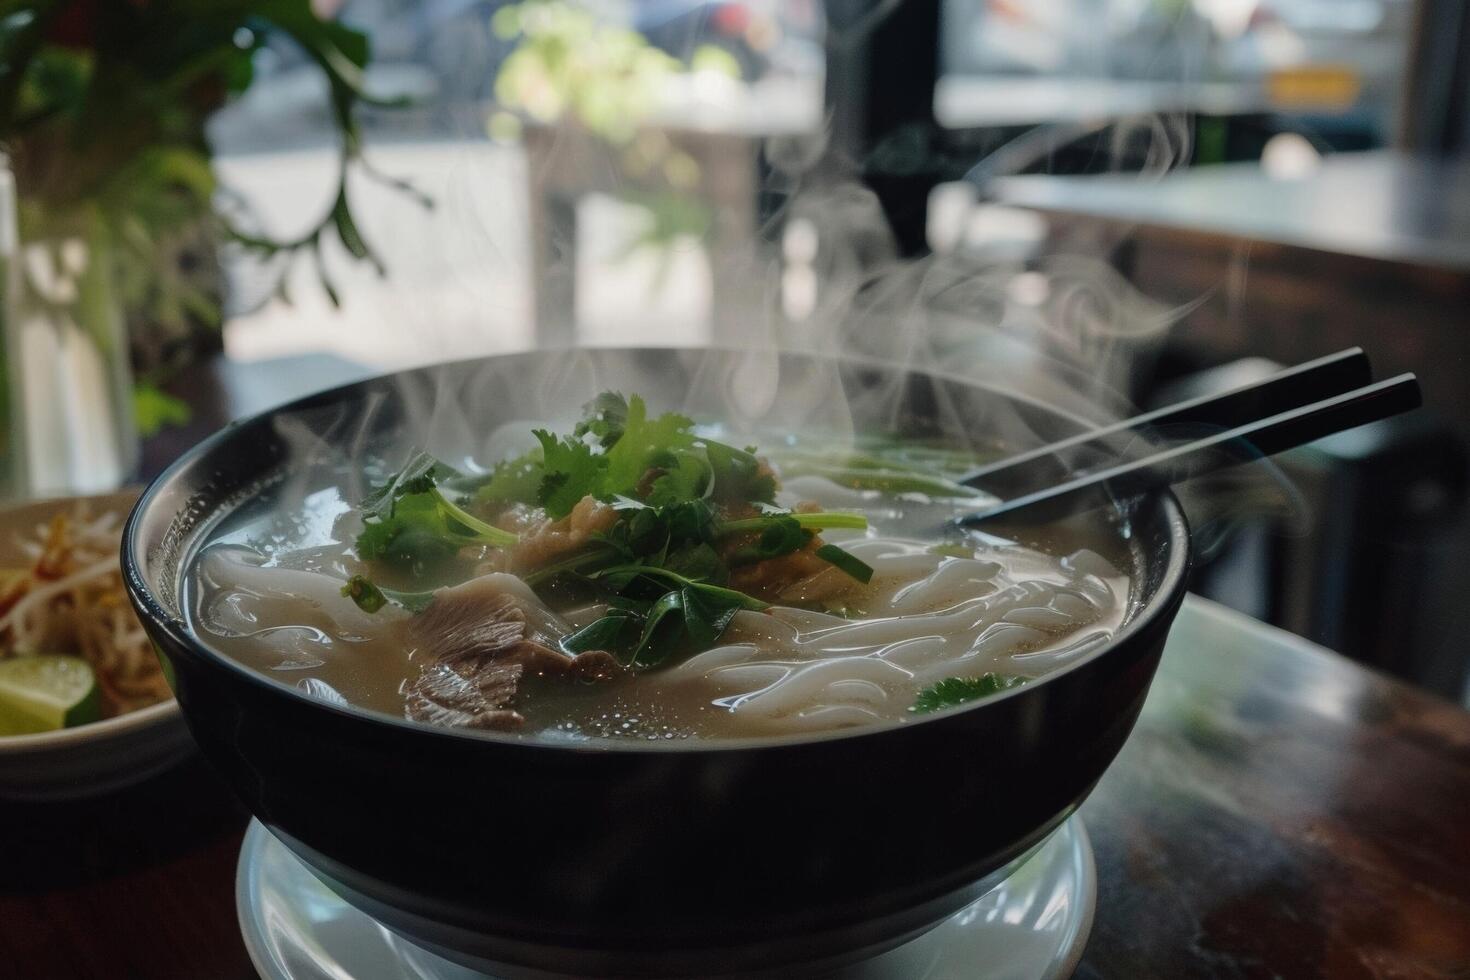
[(1031, 927), (90, 759)]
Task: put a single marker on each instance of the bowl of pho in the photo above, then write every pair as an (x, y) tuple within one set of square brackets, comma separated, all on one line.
[(650, 662)]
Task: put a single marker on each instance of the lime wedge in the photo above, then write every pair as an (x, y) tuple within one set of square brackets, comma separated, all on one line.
[(44, 693)]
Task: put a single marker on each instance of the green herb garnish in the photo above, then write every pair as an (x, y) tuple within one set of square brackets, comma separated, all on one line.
[(847, 562), (893, 465), (421, 473), (370, 597), (409, 524), (663, 565), (780, 536), (961, 690), (513, 480), (822, 520)]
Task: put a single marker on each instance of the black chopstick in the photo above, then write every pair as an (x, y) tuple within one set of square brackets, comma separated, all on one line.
[(1264, 437), (1293, 387)]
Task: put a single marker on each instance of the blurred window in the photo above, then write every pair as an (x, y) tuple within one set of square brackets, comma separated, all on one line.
[(1334, 66)]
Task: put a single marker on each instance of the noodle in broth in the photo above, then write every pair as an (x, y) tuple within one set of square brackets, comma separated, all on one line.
[(930, 612)]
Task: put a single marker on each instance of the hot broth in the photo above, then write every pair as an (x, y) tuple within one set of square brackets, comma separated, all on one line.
[(620, 615)]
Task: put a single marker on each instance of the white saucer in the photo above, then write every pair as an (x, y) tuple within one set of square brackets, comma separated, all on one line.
[(1032, 926)]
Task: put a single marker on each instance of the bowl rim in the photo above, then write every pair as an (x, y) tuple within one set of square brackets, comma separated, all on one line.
[(1172, 585), (125, 723), (123, 499)]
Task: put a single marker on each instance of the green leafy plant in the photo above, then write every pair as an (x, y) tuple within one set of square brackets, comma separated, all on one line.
[(572, 67), (154, 409), (102, 112)]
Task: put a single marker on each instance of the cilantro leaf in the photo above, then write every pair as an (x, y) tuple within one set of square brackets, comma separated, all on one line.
[(648, 533), (571, 471), (699, 562), (737, 475), (783, 536), (642, 439), (617, 572), (961, 690), (419, 474), (847, 562), (605, 417), (583, 563), (683, 480), (514, 481), (693, 520), (694, 615), (780, 536), (417, 529), (415, 537)]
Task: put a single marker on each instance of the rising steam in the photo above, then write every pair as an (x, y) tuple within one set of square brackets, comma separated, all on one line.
[(1001, 301)]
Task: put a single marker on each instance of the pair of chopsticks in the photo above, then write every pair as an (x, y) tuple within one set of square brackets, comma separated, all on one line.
[(1289, 409)]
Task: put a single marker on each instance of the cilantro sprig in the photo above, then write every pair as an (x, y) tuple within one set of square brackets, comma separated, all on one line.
[(961, 690), (690, 613), (413, 527)]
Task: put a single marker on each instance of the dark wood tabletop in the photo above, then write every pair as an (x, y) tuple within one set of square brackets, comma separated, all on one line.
[(1278, 812)]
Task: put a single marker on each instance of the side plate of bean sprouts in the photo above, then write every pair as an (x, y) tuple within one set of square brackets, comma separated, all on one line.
[(61, 592)]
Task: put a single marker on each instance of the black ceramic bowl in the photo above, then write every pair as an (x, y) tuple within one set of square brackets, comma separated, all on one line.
[(648, 858)]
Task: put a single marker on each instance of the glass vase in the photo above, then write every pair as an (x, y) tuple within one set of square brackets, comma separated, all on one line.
[(70, 383)]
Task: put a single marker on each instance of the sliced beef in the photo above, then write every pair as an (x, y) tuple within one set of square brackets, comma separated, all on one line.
[(484, 642), (595, 665), (465, 697)]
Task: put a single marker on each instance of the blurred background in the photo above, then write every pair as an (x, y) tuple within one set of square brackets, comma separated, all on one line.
[(208, 210)]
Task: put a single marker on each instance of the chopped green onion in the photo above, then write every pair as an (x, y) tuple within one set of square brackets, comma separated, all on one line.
[(847, 562), (361, 590), (370, 598), (820, 521)]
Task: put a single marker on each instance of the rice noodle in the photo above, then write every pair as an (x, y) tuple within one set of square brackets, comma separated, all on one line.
[(961, 610), (929, 618)]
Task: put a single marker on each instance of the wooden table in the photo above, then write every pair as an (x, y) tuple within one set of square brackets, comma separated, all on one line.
[(1277, 812)]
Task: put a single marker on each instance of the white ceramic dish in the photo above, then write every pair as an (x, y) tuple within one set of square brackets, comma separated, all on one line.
[(1033, 926), (105, 755)]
